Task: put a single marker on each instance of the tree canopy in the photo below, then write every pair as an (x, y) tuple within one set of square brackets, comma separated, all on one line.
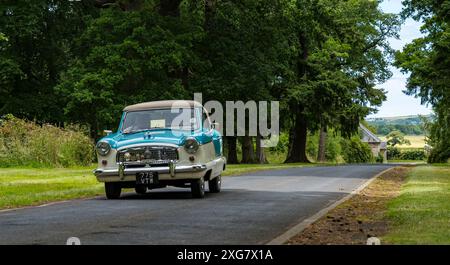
[(397, 138), (36, 44), (342, 52), (83, 61), (427, 60)]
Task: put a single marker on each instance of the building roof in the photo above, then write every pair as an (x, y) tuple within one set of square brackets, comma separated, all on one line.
[(369, 136), (164, 104)]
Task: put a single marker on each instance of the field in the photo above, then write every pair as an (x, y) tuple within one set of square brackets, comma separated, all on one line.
[(417, 141), (421, 213), (34, 186)]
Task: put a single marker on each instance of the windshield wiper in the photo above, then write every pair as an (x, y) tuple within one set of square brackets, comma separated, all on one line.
[(145, 130), (137, 131)]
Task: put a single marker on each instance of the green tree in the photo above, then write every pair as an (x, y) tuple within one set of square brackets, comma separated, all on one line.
[(340, 54), (397, 138), (39, 45), (427, 59), (244, 51), (82, 61), (356, 151), (130, 54)]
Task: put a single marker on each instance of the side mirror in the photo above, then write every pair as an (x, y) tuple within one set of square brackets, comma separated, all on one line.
[(107, 132)]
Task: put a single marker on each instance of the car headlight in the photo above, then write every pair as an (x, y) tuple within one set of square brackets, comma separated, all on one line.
[(103, 148), (191, 145)]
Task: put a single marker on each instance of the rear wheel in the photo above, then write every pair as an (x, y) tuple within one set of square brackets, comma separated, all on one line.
[(198, 188), (215, 184), (112, 190), (141, 189)]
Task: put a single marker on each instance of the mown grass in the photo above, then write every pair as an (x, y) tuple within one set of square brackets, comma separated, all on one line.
[(31, 186), (421, 213), (34, 186)]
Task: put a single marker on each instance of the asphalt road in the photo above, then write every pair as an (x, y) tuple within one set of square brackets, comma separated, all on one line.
[(251, 209)]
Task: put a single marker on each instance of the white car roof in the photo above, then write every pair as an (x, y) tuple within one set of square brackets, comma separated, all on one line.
[(164, 104)]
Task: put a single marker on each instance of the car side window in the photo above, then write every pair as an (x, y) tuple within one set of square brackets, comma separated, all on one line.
[(205, 119)]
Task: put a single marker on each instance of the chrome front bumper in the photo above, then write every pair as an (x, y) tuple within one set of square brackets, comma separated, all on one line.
[(171, 169)]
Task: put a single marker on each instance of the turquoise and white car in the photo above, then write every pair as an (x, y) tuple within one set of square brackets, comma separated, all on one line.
[(153, 149)]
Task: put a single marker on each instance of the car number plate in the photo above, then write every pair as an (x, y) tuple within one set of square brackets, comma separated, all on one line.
[(146, 178)]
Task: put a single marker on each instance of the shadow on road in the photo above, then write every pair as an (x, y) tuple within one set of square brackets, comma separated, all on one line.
[(159, 195)]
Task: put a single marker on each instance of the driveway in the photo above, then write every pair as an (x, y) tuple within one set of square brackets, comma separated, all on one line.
[(251, 209)]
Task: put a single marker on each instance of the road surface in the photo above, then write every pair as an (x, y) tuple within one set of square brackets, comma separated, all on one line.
[(251, 209)]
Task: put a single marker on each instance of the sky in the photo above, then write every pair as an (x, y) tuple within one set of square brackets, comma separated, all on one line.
[(399, 104)]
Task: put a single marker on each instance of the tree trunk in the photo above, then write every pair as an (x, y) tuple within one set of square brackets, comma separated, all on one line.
[(172, 8), (248, 151), (184, 76), (210, 7), (95, 129), (260, 155), (297, 140), (232, 150), (299, 132), (322, 144)]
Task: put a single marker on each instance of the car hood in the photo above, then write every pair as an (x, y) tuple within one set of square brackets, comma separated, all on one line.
[(175, 137)]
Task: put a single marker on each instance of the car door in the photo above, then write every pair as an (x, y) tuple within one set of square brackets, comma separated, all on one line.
[(216, 136)]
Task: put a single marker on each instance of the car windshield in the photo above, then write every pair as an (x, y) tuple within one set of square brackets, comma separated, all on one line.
[(180, 119)]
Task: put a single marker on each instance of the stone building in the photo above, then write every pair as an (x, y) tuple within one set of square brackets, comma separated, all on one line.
[(376, 144)]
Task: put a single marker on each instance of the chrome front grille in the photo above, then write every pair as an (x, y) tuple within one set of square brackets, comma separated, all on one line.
[(147, 155)]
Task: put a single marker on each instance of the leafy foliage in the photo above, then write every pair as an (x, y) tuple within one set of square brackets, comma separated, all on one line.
[(356, 151), (25, 143), (413, 155), (428, 62), (127, 57), (379, 159), (39, 46), (397, 138), (333, 149), (393, 153), (405, 129), (413, 125), (70, 61), (341, 53)]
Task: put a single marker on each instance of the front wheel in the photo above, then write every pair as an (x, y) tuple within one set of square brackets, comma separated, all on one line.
[(215, 185), (198, 188), (112, 190)]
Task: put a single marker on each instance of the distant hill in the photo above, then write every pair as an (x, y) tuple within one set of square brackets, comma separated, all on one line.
[(409, 125)]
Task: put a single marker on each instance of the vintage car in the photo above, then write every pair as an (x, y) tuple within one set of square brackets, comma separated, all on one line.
[(148, 151)]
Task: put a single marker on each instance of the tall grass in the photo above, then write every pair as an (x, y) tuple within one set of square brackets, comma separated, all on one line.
[(25, 143)]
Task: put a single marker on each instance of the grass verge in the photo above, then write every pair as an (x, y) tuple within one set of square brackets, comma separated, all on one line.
[(31, 186), (421, 213), (35, 186), (403, 206), (359, 218)]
